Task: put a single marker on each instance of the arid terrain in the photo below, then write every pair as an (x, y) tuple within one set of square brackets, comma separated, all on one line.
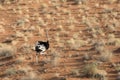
[(84, 38)]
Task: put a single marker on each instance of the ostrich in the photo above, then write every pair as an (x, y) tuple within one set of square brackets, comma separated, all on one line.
[(41, 47)]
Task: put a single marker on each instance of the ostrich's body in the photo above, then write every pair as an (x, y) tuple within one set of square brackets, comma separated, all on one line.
[(41, 47)]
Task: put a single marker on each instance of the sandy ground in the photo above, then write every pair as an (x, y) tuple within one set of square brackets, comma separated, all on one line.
[(73, 30)]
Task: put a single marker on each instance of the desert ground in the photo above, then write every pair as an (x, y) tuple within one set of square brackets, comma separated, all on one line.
[(84, 37)]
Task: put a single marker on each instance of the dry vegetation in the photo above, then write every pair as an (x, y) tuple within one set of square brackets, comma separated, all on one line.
[(84, 39)]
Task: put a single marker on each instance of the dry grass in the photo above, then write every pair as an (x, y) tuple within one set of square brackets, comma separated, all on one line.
[(91, 70), (20, 59), (86, 56), (63, 17), (25, 69), (117, 67), (31, 76), (88, 69), (55, 58), (18, 34), (75, 43), (11, 71), (7, 51), (106, 55), (101, 74), (75, 72), (2, 30), (112, 1), (99, 46), (25, 48), (80, 1)]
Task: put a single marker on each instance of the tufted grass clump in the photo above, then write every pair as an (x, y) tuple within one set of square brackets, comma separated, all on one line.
[(99, 46), (55, 58), (87, 56), (7, 51), (91, 70), (88, 69), (25, 48), (31, 76), (106, 55), (11, 71), (28, 78), (76, 43), (75, 72), (20, 60), (117, 67)]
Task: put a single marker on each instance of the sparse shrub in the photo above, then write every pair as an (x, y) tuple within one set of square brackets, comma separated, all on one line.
[(41, 22), (71, 27), (20, 22), (80, 1), (75, 72), (44, 5), (111, 27), (2, 30), (117, 67), (60, 28), (77, 1), (71, 20), (8, 40), (24, 69), (31, 76), (11, 71), (110, 36), (20, 59), (112, 1), (25, 48), (76, 35), (76, 43), (57, 74), (101, 74), (7, 51), (18, 34), (25, 39), (106, 56), (94, 35), (28, 78), (88, 69), (112, 40), (91, 70), (28, 35), (86, 56), (63, 0), (99, 46), (117, 42), (9, 1), (80, 43), (55, 61), (55, 58)]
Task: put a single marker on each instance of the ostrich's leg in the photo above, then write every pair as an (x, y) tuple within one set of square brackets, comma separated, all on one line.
[(36, 58)]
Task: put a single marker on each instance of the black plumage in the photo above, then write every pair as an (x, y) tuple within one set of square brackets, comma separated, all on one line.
[(41, 46)]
